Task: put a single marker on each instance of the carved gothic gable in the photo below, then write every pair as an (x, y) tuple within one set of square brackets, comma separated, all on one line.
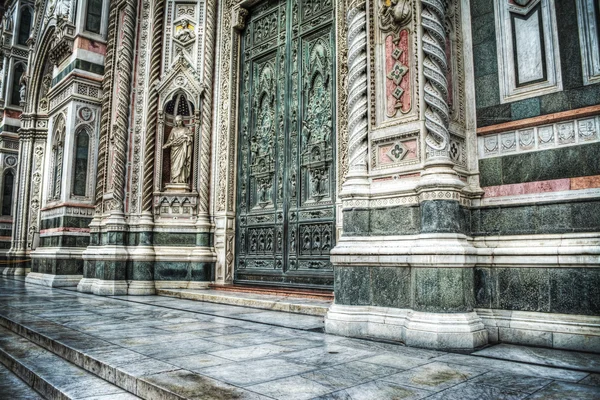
[(182, 76)]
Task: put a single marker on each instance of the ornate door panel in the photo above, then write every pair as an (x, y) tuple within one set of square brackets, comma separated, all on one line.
[(286, 177)]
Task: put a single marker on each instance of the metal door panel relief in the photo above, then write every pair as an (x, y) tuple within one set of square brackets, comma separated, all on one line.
[(286, 176)]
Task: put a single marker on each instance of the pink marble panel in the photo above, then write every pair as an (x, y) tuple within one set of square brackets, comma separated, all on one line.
[(556, 185)]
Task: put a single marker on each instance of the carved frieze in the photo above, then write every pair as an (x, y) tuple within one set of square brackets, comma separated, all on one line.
[(566, 133)]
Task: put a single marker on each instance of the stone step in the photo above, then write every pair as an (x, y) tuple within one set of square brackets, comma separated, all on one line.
[(11, 387), (126, 373), (317, 294), (275, 302), (50, 375)]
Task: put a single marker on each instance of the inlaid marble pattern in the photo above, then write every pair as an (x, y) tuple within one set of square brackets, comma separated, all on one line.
[(565, 133), (154, 345)]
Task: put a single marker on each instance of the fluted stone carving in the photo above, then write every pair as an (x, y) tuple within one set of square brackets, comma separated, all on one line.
[(357, 89), (152, 123), (435, 67)]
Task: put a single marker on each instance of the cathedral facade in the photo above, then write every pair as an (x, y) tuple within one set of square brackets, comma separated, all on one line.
[(433, 162)]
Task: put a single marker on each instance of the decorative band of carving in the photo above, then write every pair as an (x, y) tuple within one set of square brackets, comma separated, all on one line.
[(357, 87), (435, 68)]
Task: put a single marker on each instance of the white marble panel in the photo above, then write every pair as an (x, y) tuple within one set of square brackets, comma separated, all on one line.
[(529, 48)]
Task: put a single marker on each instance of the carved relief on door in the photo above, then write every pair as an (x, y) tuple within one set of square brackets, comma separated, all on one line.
[(286, 176)]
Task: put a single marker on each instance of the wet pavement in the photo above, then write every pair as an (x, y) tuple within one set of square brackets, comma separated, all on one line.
[(152, 345)]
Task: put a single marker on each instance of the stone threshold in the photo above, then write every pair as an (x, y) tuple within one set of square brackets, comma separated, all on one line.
[(326, 295), (50, 375), (275, 302), (127, 374)]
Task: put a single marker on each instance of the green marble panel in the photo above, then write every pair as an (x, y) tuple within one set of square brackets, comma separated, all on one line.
[(443, 289)]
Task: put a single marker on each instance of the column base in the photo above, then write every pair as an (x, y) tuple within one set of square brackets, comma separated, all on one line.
[(85, 285), (15, 271), (109, 288), (141, 288), (463, 331), (49, 280)]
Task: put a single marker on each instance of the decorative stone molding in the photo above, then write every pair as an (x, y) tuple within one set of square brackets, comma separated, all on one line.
[(560, 134), (64, 38), (527, 43), (589, 37)]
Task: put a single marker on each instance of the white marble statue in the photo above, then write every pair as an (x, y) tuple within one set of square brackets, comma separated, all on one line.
[(180, 143), (59, 8)]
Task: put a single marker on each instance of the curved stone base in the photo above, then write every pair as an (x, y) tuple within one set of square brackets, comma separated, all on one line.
[(36, 278), (85, 285), (462, 331), (141, 288), (15, 271), (109, 288)]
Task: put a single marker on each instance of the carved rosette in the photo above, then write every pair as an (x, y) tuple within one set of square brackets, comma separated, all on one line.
[(435, 67), (357, 89)]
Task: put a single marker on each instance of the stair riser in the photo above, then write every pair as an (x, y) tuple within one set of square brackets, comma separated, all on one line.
[(253, 303), (110, 374), (43, 387)]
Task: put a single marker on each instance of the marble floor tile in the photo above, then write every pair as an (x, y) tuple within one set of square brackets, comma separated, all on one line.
[(292, 388), (166, 337), (548, 357), (591, 379), (189, 385), (350, 374), (253, 372), (514, 367), (191, 326), (377, 390), (471, 391), (197, 362), (166, 350), (398, 361), (299, 343), (128, 333), (564, 390), (251, 352), (399, 348), (435, 376), (327, 355), (244, 339), (514, 382)]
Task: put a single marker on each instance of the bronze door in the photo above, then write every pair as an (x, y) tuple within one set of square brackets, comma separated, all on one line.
[(286, 152)]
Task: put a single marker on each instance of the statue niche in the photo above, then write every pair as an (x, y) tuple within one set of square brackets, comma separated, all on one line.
[(178, 145)]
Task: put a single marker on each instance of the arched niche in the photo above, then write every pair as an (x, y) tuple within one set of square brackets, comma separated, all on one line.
[(181, 106)]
